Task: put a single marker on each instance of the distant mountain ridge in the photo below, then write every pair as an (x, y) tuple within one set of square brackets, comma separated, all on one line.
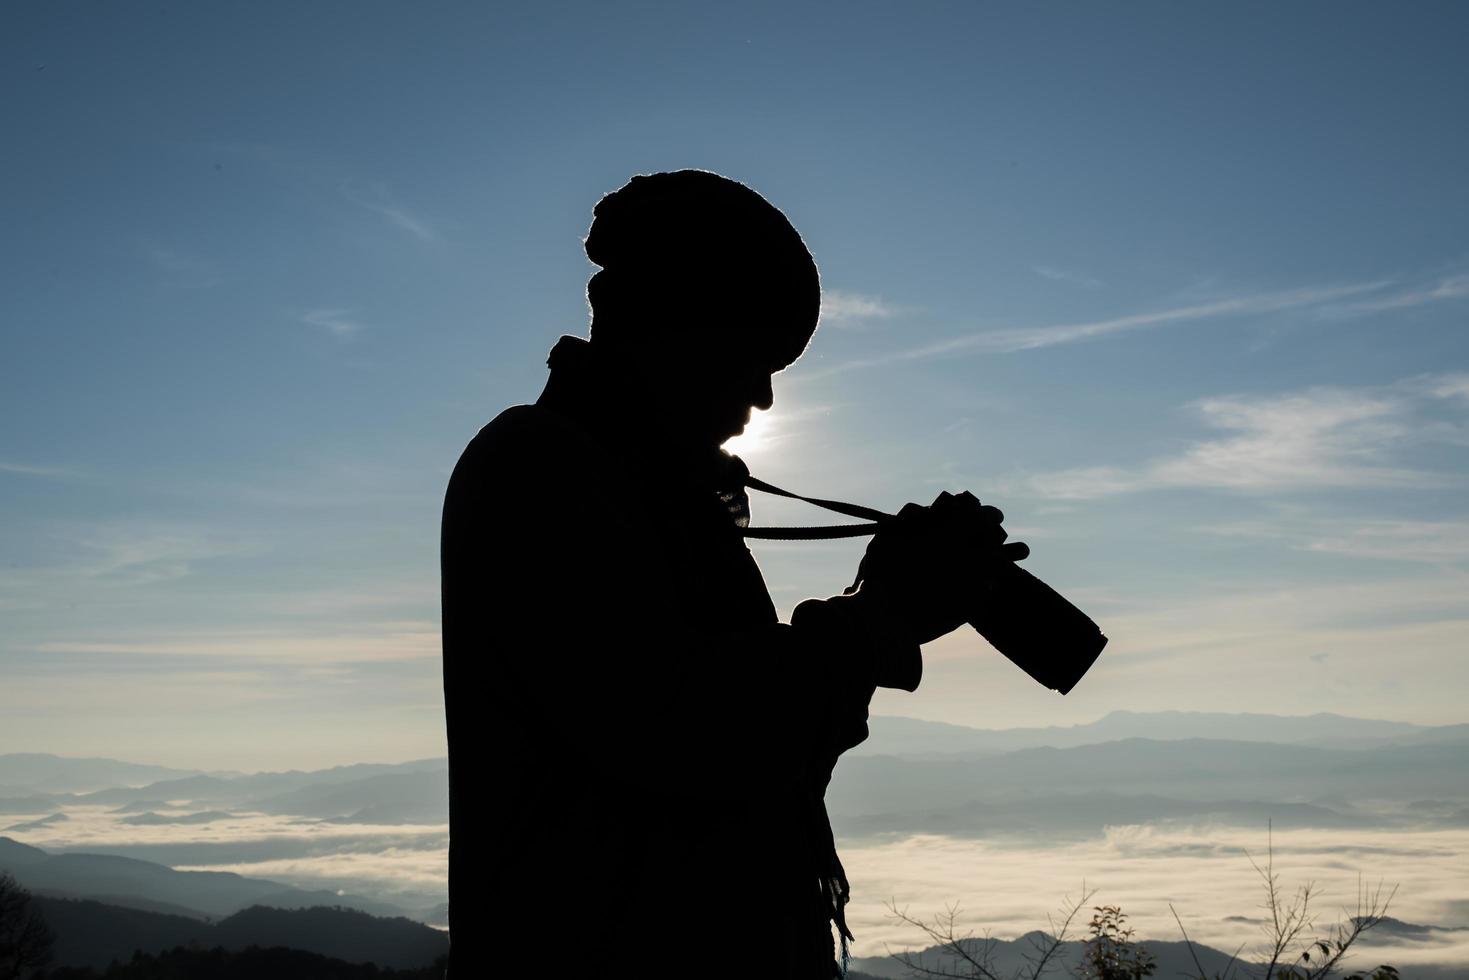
[(122, 879), (893, 735), (39, 824), (92, 933), (39, 774), (200, 788), (414, 792), (1008, 958), (1082, 789), (27, 773), (150, 819), (251, 963)]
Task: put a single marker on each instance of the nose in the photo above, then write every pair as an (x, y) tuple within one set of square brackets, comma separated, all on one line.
[(763, 394)]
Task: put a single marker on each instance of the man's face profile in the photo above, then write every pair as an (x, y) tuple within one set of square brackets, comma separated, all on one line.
[(707, 380), (705, 292)]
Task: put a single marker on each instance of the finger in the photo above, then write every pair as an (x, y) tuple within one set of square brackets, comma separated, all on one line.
[(943, 502), (1015, 550), (962, 508), (990, 513), (916, 518)]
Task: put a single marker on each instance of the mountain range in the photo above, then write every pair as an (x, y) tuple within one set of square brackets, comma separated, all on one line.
[(912, 736), (156, 887), (118, 832), (1013, 958), (92, 933)]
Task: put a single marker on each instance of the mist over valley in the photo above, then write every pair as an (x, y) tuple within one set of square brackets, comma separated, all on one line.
[(1149, 809)]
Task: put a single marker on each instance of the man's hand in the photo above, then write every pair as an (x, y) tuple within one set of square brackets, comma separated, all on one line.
[(927, 570)]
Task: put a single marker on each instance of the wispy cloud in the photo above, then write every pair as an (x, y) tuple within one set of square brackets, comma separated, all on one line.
[(1013, 339), (315, 174), (1062, 275), (84, 566), (1447, 288), (1029, 338), (1417, 541), (840, 306), (143, 554), (337, 322), (1450, 386), (376, 198), (1429, 542), (381, 641), (40, 472), (1322, 437)]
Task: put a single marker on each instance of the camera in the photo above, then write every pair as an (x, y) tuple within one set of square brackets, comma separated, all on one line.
[(1028, 622)]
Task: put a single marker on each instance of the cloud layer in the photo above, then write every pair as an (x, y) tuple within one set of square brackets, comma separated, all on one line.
[(1320, 438), (1205, 872)]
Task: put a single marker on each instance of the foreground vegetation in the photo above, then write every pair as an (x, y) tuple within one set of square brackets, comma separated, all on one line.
[(247, 964), (1294, 949)]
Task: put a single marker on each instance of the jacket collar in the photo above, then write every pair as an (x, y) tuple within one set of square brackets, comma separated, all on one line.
[(587, 390)]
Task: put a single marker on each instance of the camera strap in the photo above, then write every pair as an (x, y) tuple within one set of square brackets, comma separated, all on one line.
[(819, 532)]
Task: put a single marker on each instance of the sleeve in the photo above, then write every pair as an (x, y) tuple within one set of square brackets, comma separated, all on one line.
[(848, 630), (780, 703)]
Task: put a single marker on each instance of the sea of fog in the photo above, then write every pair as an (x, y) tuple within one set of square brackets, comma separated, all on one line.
[(1205, 873), (1004, 889), (403, 864)]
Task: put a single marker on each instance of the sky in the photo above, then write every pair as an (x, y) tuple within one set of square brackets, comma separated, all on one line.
[(1181, 288)]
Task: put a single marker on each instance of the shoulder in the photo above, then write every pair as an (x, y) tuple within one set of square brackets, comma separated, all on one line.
[(520, 436), (519, 428), (527, 456)]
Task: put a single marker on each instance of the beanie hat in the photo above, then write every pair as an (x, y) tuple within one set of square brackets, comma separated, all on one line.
[(693, 245)]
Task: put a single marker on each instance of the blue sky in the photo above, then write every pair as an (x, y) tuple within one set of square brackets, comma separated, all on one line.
[(1181, 288)]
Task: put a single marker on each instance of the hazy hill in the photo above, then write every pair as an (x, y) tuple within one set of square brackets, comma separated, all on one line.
[(91, 933), (23, 773), (151, 819), (237, 791), (195, 848), (911, 736), (392, 797), (343, 933), (39, 824), (1189, 768), (142, 806), (198, 788), (1007, 957), (215, 893), (1173, 959), (277, 963), (15, 855), (28, 804), (1439, 733)]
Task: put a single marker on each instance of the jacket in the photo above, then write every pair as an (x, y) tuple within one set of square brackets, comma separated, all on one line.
[(638, 748)]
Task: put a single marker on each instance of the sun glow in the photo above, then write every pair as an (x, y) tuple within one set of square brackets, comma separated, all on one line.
[(756, 439)]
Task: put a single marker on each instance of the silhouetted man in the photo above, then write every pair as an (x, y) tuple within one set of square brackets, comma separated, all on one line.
[(638, 748)]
